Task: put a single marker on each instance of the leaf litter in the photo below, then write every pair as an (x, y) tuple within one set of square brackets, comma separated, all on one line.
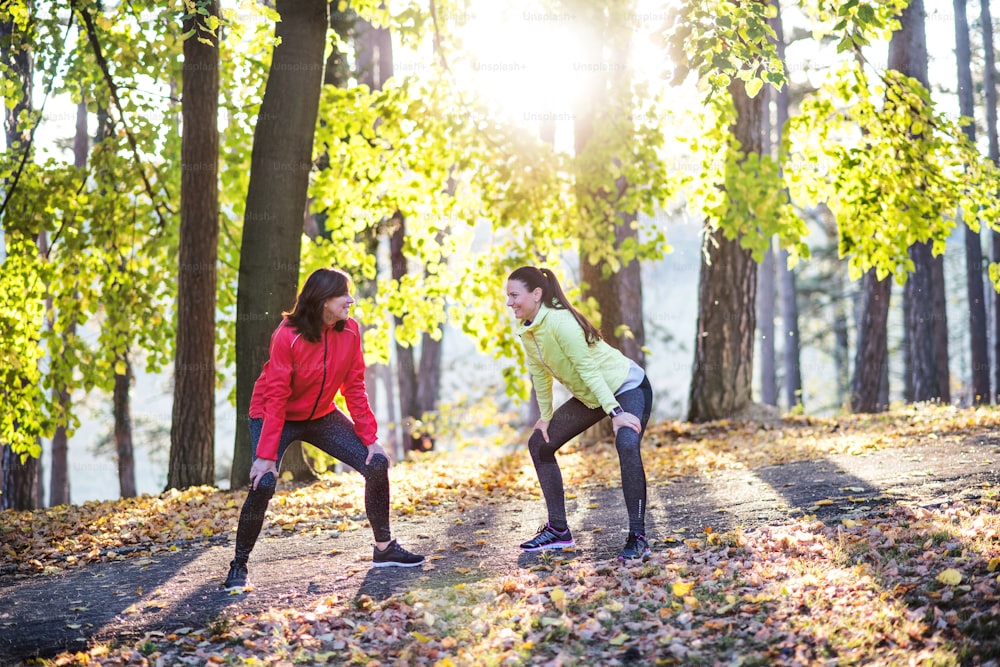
[(898, 585)]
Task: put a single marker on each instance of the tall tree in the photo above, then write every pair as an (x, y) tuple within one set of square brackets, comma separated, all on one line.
[(990, 91), (766, 287), (604, 137), (276, 199), (870, 364), (192, 429), (925, 285), (59, 478), (790, 343), (727, 289), (21, 483)]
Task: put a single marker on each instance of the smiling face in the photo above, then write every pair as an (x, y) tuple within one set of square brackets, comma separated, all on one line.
[(337, 308), (522, 301)]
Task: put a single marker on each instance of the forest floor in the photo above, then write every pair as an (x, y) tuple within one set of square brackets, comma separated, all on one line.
[(853, 540)]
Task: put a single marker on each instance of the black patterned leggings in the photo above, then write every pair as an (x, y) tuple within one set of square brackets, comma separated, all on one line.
[(334, 434), (570, 420)]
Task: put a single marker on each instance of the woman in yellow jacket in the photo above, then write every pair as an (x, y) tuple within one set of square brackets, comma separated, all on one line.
[(562, 344)]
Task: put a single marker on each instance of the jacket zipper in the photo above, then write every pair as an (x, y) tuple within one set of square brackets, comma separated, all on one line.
[(540, 357), (322, 382)]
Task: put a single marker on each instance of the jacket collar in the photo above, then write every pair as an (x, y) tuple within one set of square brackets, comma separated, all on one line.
[(524, 326)]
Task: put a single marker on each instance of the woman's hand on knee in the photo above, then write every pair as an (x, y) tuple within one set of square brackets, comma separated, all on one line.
[(376, 448), (626, 420), (543, 426), (260, 468)]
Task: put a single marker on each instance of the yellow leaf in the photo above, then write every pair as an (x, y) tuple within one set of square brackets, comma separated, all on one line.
[(558, 596), (994, 564), (138, 590), (950, 577), (825, 501), (618, 639), (849, 523), (422, 638), (682, 588)]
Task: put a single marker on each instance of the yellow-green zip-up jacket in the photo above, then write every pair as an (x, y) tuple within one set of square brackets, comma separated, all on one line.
[(556, 347)]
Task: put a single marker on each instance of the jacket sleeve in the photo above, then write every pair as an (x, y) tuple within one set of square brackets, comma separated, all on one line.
[(541, 379), (356, 394), (277, 389), (572, 340)]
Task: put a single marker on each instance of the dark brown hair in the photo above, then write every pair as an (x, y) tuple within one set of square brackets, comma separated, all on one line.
[(307, 314), (553, 296)]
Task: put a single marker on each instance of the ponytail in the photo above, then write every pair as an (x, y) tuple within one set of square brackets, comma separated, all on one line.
[(554, 297)]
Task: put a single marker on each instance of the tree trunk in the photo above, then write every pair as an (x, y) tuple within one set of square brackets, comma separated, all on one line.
[(870, 362), (791, 353), (919, 294), (978, 345), (765, 328), (990, 89), (727, 289), (406, 369), (123, 431), (276, 200), (192, 429), (21, 484), (908, 55), (59, 481)]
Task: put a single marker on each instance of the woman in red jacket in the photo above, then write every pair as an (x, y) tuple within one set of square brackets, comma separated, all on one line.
[(316, 352)]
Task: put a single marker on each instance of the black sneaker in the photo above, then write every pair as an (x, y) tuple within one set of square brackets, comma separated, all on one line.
[(636, 546), (549, 538), (237, 579), (395, 556)]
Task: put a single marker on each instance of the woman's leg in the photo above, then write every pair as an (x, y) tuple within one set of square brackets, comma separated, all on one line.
[(334, 434), (255, 506), (570, 420), (638, 402)]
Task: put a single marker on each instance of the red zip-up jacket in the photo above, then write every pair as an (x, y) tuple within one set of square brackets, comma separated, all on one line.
[(300, 380)]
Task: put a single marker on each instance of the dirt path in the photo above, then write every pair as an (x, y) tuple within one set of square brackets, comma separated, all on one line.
[(41, 616)]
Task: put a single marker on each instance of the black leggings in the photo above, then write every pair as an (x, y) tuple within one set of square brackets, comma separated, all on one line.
[(334, 434), (570, 420)]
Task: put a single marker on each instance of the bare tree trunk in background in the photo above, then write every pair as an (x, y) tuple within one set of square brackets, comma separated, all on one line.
[(766, 285), (990, 90), (727, 290), (924, 289), (276, 200), (791, 353), (978, 345), (59, 478), (870, 362), (123, 432), (192, 428)]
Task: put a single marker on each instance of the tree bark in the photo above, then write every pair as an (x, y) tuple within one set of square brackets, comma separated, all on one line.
[(21, 481), (123, 431), (276, 200), (870, 361), (978, 345), (790, 351), (990, 90), (727, 290), (192, 429), (765, 328), (925, 315), (59, 479)]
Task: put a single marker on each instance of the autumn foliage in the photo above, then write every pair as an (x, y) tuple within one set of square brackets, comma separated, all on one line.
[(897, 583)]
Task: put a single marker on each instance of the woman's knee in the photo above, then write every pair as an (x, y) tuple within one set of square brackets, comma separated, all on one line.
[(378, 466), (541, 450)]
